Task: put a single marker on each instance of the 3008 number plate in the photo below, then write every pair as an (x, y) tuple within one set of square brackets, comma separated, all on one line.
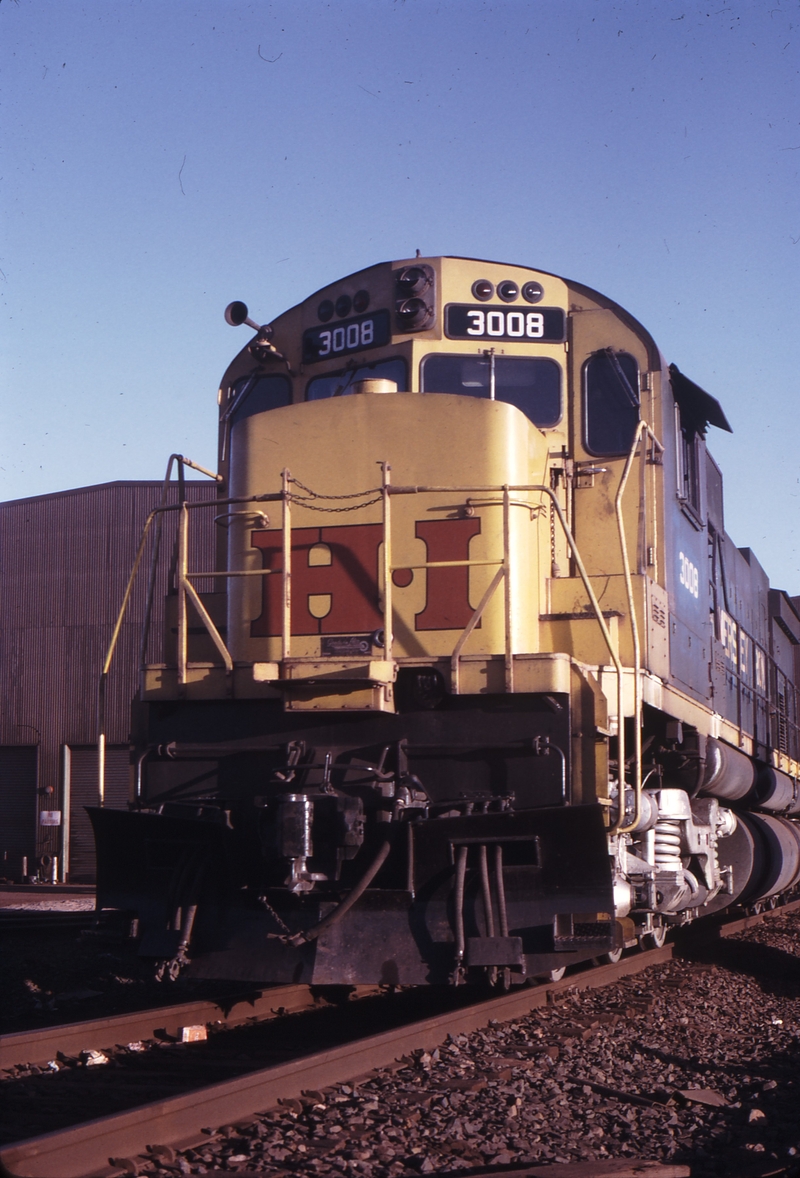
[(347, 336), (544, 325)]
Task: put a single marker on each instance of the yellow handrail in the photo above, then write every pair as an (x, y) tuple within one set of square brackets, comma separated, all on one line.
[(504, 573), (620, 827)]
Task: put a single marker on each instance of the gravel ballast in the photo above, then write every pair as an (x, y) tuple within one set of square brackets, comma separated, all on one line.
[(695, 1061)]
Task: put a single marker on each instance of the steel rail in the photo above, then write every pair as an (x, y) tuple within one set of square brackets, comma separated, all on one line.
[(24, 920), (40, 1045), (83, 1151)]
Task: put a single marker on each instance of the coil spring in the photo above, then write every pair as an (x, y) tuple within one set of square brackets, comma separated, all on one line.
[(668, 845)]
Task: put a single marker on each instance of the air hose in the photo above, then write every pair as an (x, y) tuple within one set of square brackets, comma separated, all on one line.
[(342, 909)]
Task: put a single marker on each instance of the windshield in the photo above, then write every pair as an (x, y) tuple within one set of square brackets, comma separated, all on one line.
[(256, 394), (533, 385), (340, 384)]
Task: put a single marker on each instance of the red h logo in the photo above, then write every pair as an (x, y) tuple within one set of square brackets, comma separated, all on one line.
[(341, 564)]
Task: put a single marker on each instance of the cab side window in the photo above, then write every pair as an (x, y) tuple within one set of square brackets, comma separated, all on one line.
[(611, 402), (691, 458)]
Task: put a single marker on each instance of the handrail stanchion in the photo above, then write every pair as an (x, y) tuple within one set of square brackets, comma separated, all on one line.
[(470, 626), (101, 762), (387, 562), (509, 646), (101, 686), (643, 432), (286, 525), (595, 604), (183, 568), (151, 581)]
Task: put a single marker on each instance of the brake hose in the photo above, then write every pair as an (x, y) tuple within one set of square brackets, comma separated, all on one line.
[(342, 909)]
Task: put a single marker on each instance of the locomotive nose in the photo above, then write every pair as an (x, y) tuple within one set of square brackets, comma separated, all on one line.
[(451, 538)]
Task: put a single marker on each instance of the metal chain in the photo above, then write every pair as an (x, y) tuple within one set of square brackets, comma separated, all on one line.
[(319, 495), (312, 506), (266, 904), (308, 500)]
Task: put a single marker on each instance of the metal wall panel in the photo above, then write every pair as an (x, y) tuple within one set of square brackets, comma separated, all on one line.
[(64, 564), (82, 793), (18, 815)]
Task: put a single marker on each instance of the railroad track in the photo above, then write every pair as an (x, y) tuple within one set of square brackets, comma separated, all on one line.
[(84, 1150), (161, 1023), (18, 920)]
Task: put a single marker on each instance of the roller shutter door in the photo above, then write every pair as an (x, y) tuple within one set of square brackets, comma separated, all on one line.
[(83, 792), (17, 808)]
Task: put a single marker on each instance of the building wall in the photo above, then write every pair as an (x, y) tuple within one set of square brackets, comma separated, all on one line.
[(64, 564)]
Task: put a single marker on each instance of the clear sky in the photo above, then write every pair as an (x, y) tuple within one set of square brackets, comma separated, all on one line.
[(162, 157)]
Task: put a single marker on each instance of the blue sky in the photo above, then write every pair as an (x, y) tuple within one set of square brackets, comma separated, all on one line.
[(161, 159)]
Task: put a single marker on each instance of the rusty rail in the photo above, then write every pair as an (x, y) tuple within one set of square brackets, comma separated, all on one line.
[(83, 1150), (36, 1047)]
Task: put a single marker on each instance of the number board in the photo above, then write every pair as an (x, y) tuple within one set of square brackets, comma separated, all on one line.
[(346, 337), (545, 325)]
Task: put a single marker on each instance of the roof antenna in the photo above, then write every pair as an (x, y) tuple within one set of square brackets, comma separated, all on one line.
[(418, 254)]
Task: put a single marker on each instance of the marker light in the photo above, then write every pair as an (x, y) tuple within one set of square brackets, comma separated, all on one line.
[(325, 310), (483, 289), (533, 292), (508, 291), (343, 305), (360, 301)]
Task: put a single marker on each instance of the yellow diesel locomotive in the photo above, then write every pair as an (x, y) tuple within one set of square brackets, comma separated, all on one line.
[(480, 687)]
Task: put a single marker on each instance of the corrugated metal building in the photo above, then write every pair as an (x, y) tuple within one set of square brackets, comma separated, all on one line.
[(64, 564)]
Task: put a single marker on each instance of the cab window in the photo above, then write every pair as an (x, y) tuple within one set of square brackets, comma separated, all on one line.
[(340, 384), (532, 384), (690, 464), (256, 394), (611, 402)]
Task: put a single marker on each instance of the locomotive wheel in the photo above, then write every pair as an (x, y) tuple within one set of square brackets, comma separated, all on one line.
[(654, 940), (611, 958)]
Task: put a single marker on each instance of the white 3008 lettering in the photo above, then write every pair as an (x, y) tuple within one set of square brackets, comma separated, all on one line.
[(689, 576), (515, 324), (355, 335)]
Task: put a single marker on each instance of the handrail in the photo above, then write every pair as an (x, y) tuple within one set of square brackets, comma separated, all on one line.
[(182, 460), (620, 827), (470, 626), (504, 573), (186, 589), (388, 603), (387, 490), (508, 615), (286, 579)]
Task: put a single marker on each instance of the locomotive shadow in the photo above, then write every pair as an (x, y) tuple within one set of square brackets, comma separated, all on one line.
[(776, 971), (748, 1150)]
